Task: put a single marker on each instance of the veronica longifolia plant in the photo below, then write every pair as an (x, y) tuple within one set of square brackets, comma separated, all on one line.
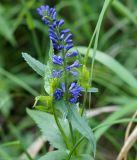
[(66, 78)]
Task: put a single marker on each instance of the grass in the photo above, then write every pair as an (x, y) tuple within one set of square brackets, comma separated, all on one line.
[(112, 53)]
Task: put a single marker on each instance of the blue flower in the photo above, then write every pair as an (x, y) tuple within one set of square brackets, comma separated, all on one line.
[(75, 64), (64, 32), (57, 60), (75, 89), (69, 46), (73, 100), (57, 73), (63, 87), (75, 53), (75, 74), (75, 92), (58, 94), (48, 14)]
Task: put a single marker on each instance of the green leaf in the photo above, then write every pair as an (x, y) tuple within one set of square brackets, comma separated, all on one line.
[(81, 125), (113, 65), (51, 51), (61, 106), (83, 157), (4, 155), (43, 109), (47, 78), (30, 21), (125, 110), (6, 30), (18, 81), (48, 127), (125, 11), (35, 64), (55, 155)]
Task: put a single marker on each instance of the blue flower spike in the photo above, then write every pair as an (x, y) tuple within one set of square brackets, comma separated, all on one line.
[(62, 43)]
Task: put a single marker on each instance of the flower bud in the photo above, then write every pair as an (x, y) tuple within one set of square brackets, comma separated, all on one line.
[(84, 78), (53, 85)]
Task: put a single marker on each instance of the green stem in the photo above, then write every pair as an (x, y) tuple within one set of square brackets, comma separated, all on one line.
[(72, 135), (66, 74), (75, 146), (66, 86), (61, 129), (84, 103), (107, 3)]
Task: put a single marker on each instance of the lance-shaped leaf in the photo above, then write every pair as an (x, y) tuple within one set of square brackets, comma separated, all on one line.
[(83, 157), (35, 64), (55, 155), (47, 78), (48, 128), (81, 125)]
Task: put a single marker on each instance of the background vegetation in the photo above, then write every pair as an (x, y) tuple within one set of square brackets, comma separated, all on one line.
[(115, 70)]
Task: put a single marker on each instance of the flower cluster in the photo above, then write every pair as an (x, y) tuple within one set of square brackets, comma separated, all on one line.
[(61, 39), (62, 42)]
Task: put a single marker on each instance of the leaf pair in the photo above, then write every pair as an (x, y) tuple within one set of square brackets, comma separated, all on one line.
[(79, 123), (50, 131)]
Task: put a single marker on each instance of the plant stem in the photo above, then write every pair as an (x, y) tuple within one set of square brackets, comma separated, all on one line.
[(66, 88), (84, 103), (66, 96), (61, 129), (75, 146), (66, 75), (72, 135)]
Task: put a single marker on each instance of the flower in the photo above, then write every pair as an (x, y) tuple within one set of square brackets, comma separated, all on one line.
[(61, 39), (58, 94), (75, 53), (57, 73), (75, 64), (75, 92), (48, 14), (63, 87), (73, 100), (57, 60), (75, 74)]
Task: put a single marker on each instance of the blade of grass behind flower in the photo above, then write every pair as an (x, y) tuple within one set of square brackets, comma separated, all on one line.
[(18, 81), (124, 11)]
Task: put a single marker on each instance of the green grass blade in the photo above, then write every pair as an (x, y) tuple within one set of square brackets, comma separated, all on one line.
[(129, 108), (18, 81), (4, 155), (113, 65), (124, 11)]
